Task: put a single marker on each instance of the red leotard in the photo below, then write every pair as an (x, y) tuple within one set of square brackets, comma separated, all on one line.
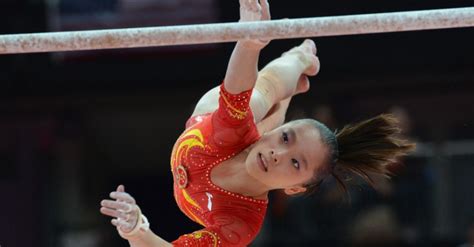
[(229, 219)]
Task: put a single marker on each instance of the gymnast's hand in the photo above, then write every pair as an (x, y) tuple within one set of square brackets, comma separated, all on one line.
[(252, 10), (123, 209)]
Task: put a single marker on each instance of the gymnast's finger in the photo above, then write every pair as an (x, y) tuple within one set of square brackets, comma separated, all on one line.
[(121, 188), (250, 5), (265, 10), (126, 207), (243, 3), (124, 196), (112, 213)]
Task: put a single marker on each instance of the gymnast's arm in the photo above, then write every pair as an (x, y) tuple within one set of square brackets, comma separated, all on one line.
[(241, 72), (148, 239), (242, 69)]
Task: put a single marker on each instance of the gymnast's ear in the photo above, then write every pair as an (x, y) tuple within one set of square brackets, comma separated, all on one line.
[(295, 190)]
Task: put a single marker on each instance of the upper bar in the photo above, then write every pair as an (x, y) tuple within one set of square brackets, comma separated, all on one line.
[(228, 32)]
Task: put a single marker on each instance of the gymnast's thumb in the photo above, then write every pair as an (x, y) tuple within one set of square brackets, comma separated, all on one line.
[(121, 188)]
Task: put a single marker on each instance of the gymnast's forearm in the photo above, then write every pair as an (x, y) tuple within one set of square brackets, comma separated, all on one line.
[(242, 70), (148, 239)]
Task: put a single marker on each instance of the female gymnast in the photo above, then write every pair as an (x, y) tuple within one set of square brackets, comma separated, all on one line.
[(236, 148)]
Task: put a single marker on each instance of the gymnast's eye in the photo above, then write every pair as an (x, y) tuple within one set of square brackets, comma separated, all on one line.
[(296, 164), (285, 137)]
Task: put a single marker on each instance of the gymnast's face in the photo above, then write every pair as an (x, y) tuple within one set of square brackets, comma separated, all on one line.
[(287, 157)]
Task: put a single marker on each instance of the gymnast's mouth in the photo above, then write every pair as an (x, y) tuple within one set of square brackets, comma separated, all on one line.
[(262, 162)]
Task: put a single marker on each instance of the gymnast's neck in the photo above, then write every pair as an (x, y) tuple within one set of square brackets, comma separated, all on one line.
[(232, 175)]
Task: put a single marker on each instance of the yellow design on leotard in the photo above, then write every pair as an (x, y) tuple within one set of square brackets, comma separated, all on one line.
[(189, 199), (183, 147), (199, 234), (193, 216), (195, 139), (238, 113)]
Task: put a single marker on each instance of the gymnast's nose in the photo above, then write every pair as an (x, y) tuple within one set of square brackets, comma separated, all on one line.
[(276, 156)]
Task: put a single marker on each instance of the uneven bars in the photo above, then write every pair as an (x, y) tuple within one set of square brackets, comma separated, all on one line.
[(228, 32)]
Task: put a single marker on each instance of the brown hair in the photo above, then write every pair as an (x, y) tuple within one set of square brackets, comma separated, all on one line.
[(366, 147)]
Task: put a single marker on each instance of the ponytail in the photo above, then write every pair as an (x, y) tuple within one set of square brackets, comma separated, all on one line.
[(369, 147)]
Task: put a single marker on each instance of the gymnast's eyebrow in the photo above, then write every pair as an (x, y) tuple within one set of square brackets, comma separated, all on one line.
[(294, 137)]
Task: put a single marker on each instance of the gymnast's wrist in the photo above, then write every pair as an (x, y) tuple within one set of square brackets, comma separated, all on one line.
[(254, 45), (140, 228)]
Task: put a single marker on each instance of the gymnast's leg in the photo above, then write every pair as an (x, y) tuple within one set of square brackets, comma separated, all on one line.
[(275, 81)]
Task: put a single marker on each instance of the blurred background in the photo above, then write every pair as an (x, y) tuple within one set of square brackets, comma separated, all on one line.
[(75, 125)]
